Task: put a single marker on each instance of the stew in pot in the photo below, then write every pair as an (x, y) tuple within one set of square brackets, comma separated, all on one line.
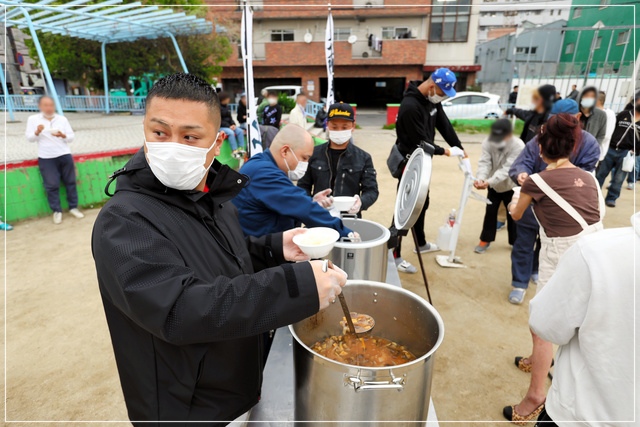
[(363, 351)]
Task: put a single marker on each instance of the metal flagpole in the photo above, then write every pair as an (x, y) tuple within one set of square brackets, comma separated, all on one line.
[(624, 52), (254, 139), (604, 67), (7, 97), (328, 47), (105, 77)]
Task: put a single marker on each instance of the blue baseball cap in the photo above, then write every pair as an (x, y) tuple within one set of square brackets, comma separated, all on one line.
[(566, 105), (445, 79)]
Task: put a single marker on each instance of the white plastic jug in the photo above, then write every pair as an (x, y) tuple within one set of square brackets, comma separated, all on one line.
[(444, 237)]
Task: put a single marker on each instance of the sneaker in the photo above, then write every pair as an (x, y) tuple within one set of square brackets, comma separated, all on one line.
[(406, 267), (75, 212), (500, 225), (516, 296), (57, 217), (5, 227), (630, 186), (482, 247), (534, 278), (427, 247), (610, 203)]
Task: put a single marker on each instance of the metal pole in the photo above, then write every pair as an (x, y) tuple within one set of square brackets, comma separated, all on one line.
[(175, 44), (526, 65), (606, 59), (105, 77), (544, 57), (47, 75), (624, 51), (7, 98), (573, 60), (559, 57), (590, 59)]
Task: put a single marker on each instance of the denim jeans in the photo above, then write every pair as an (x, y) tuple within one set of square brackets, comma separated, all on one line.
[(525, 252), (613, 160), (236, 137), (55, 170)]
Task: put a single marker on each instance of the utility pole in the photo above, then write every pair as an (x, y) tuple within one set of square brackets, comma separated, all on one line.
[(599, 25)]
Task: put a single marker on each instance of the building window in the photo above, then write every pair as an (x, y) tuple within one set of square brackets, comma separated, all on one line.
[(570, 48), (281, 35), (577, 12), (389, 33), (450, 22), (623, 37), (341, 34), (510, 13), (502, 52), (551, 12), (537, 12), (598, 42), (525, 50)]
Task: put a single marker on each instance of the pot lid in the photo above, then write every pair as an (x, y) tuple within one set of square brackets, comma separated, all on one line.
[(413, 190)]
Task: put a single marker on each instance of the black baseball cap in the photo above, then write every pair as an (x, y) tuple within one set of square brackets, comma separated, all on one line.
[(499, 129), (340, 110)]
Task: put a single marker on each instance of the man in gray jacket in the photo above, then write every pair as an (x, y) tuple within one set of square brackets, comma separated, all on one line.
[(499, 151), (592, 119)]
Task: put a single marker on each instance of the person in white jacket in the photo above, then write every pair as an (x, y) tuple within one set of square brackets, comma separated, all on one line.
[(499, 151), (298, 116), (587, 308)]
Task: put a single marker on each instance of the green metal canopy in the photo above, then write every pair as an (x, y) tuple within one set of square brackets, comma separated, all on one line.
[(108, 21)]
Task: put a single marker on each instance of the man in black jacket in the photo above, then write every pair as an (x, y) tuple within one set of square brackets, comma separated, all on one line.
[(234, 133), (513, 96), (419, 116), (186, 296), (241, 114), (338, 167), (543, 99)]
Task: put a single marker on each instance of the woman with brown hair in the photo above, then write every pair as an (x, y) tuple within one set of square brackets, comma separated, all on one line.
[(568, 204)]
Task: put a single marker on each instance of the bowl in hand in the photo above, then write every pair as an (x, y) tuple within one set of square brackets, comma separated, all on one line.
[(343, 203), (317, 242)]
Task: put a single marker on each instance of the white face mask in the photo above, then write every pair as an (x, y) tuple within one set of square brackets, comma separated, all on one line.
[(299, 171), (176, 165), (272, 101), (340, 136), (435, 98), (588, 102), (499, 145)]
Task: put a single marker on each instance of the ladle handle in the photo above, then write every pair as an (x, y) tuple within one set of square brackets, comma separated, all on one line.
[(343, 302)]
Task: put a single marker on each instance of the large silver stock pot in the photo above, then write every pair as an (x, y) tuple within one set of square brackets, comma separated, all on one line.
[(367, 259), (326, 390)]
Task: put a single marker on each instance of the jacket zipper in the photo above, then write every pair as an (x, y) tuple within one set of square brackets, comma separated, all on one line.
[(337, 170)]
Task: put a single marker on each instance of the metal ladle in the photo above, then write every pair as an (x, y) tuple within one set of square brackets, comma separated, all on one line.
[(345, 308)]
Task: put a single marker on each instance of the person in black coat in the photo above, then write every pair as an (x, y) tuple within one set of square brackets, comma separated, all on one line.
[(186, 296), (338, 167), (543, 99), (513, 96), (241, 114), (234, 133), (419, 116), (272, 114)]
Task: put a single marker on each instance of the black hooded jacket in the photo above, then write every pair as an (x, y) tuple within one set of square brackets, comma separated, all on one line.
[(184, 304), (226, 121), (417, 121)]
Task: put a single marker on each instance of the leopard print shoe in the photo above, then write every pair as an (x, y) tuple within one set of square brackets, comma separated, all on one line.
[(523, 363), (510, 414)]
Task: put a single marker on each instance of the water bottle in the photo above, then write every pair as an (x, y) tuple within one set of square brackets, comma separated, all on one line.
[(452, 218)]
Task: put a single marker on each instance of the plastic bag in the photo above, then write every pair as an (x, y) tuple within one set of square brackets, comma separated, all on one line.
[(629, 162)]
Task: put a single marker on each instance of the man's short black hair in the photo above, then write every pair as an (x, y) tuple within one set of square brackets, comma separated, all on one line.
[(271, 93), (186, 87), (223, 95), (515, 87), (43, 97)]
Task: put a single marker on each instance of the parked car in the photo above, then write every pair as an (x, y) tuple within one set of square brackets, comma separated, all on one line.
[(289, 90), (473, 105)]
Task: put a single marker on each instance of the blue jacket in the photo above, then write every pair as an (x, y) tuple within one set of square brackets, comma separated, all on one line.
[(529, 161), (271, 203)]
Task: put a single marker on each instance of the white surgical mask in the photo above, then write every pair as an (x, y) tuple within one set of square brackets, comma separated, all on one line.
[(588, 102), (176, 165), (499, 145), (272, 101), (299, 171), (435, 98), (340, 136)]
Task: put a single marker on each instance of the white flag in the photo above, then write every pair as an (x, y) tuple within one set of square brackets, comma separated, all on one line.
[(328, 48), (254, 140)]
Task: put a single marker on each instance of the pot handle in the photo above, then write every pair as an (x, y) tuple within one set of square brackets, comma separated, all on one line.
[(358, 384)]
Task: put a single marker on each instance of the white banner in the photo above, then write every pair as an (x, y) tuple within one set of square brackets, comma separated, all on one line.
[(328, 47), (254, 140)]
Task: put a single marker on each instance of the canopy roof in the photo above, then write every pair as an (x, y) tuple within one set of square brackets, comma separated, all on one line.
[(107, 21)]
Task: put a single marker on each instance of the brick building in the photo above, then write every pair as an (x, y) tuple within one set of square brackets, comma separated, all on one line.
[(379, 46)]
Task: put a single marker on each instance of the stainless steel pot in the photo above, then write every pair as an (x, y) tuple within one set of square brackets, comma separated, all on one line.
[(367, 259), (326, 390)]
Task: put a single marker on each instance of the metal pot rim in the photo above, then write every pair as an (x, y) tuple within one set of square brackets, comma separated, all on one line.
[(386, 234), (392, 288)]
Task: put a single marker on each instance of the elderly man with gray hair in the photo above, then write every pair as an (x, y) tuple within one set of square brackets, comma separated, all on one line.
[(271, 202)]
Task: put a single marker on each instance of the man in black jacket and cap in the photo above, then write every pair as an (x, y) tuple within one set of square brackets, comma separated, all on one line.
[(186, 296), (419, 116), (542, 99)]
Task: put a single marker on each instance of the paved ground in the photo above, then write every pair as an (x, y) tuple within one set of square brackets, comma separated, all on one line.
[(59, 360)]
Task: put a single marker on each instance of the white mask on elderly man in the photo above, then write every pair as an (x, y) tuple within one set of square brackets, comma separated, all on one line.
[(176, 165), (299, 171), (340, 137)]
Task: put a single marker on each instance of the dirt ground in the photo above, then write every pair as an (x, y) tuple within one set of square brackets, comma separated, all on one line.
[(59, 361)]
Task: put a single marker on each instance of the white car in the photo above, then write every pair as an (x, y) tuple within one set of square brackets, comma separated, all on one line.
[(289, 90), (473, 105)]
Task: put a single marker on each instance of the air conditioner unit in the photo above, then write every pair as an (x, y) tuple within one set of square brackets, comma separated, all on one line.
[(365, 54), (367, 4)]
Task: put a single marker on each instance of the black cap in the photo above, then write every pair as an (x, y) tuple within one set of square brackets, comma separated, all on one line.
[(499, 129), (340, 110)]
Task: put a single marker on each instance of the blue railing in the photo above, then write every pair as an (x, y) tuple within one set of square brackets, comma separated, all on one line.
[(83, 103), (313, 108)]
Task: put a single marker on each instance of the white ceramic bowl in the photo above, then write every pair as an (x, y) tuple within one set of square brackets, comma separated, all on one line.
[(343, 203), (317, 242), (52, 130)]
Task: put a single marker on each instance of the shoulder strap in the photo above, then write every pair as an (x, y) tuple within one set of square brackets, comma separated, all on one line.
[(558, 200), (601, 204)]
